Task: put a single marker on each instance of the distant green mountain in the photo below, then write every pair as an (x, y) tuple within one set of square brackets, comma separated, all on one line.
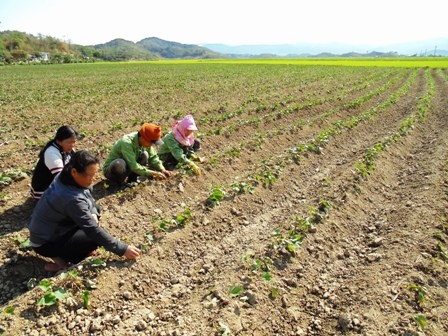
[(123, 50), (151, 48), (166, 49)]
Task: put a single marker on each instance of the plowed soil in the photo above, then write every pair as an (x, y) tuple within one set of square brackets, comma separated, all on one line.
[(374, 262)]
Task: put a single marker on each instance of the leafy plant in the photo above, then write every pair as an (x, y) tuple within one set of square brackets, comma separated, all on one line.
[(420, 292), (85, 296), (242, 187), (52, 294), (164, 225), (4, 197), (275, 293), (216, 195), (97, 262), (23, 242), (318, 213), (9, 310), (10, 175), (290, 241), (183, 218), (420, 319), (235, 291)]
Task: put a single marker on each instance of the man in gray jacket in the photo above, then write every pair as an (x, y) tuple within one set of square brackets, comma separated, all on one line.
[(64, 224)]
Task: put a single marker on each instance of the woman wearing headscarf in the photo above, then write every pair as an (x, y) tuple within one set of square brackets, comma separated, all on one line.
[(52, 159), (180, 145)]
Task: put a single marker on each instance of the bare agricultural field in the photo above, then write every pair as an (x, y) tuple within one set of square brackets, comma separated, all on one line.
[(322, 208)]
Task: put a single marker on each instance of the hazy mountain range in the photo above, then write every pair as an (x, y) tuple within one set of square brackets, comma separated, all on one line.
[(434, 47), (18, 46)]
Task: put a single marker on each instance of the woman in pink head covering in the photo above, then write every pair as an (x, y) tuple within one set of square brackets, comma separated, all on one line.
[(179, 146)]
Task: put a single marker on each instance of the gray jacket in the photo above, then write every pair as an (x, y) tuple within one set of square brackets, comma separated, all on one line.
[(65, 207)]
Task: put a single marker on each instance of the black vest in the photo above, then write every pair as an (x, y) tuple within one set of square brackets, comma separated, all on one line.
[(42, 177)]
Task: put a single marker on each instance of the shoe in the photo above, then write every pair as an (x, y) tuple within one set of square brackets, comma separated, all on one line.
[(126, 185), (133, 178)]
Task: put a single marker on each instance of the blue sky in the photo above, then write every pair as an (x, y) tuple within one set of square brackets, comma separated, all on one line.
[(232, 22)]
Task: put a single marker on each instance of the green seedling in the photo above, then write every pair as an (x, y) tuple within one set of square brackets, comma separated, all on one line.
[(420, 292), (216, 195), (51, 294), (242, 187), (10, 175), (235, 291), (164, 225), (420, 319), (289, 242), (304, 223), (9, 310), (22, 242), (275, 293), (266, 276), (149, 236), (183, 218), (4, 197), (97, 262), (85, 296)]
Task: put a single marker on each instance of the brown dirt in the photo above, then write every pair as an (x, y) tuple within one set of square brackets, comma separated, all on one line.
[(357, 271)]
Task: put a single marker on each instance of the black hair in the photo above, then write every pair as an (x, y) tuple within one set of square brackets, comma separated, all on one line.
[(63, 132), (80, 160)]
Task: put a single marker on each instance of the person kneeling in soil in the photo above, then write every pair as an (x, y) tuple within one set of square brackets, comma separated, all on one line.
[(64, 224), (129, 156), (180, 146)]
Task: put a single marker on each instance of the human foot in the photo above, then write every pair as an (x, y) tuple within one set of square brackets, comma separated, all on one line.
[(53, 267)]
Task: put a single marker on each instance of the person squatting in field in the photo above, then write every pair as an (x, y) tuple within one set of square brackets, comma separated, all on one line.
[(132, 153), (180, 145), (52, 159), (64, 225)]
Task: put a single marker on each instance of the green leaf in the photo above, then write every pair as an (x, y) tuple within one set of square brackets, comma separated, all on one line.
[(9, 310), (45, 285), (48, 299), (98, 262), (85, 298), (235, 291), (290, 247), (149, 236), (60, 293), (275, 293), (420, 320), (267, 276)]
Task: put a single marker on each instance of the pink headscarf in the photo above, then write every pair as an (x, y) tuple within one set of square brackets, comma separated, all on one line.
[(179, 127)]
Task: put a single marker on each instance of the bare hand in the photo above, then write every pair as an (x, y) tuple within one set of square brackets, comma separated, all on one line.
[(132, 252), (158, 176), (167, 173)]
